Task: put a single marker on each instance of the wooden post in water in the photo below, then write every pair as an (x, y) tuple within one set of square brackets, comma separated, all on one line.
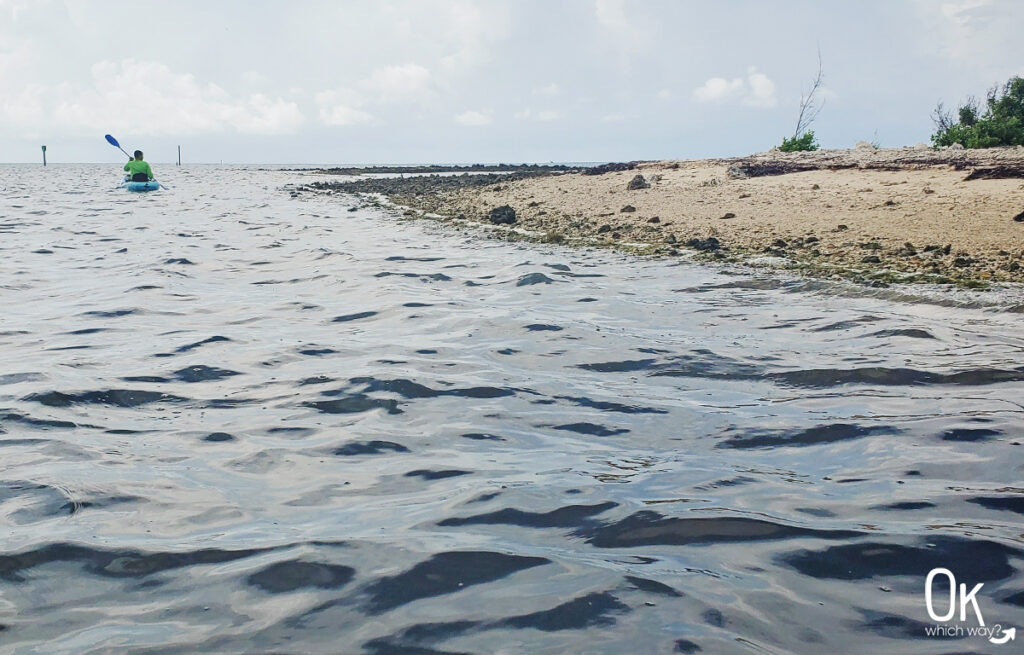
[(179, 155), (44, 155)]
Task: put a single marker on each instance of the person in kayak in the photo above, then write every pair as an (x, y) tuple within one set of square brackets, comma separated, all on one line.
[(138, 169)]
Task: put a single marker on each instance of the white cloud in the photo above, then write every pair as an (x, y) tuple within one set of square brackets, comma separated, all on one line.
[(540, 116), (473, 118), (341, 107), (133, 96), (762, 90), (976, 35), (719, 89), (471, 30), (15, 7), (664, 94), (254, 78), (395, 84), (551, 89), (756, 90), (24, 109), (627, 33)]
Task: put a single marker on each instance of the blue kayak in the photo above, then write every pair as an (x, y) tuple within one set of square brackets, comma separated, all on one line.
[(151, 185)]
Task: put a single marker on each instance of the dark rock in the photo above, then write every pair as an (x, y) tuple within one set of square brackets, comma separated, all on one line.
[(870, 245), (616, 235), (815, 187), (729, 215), (779, 243), (811, 239), (964, 262), (533, 278), (1019, 217), (638, 182), (604, 228), (654, 219), (947, 249), (609, 168), (908, 250), (628, 209), (931, 248), (353, 209), (841, 227), (871, 259), (670, 238), (503, 215), (737, 172), (710, 244)]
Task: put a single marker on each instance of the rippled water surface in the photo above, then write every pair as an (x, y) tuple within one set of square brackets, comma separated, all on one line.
[(236, 421)]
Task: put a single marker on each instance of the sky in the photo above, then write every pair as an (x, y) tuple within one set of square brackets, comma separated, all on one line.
[(460, 81)]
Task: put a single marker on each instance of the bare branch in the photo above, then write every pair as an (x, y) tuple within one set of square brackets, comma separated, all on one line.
[(942, 118), (810, 106)]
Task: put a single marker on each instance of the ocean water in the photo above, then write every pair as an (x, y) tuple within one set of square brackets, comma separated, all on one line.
[(234, 420)]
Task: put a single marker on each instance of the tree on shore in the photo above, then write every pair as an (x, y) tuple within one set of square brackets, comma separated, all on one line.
[(1001, 123), (810, 107)]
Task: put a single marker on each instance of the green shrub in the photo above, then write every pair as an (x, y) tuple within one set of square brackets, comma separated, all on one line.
[(802, 143), (1001, 123)]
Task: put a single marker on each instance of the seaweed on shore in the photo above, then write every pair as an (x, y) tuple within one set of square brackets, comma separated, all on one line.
[(1004, 172)]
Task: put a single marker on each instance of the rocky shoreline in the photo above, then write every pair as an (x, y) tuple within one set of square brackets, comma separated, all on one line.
[(876, 216), (442, 168)]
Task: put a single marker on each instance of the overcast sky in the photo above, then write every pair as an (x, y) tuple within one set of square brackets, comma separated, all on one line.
[(399, 81)]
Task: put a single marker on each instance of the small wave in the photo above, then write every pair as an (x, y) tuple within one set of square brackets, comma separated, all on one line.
[(426, 474), (115, 397), (369, 448), (285, 577), (571, 516), (819, 434), (444, 573), (203, 373), (823, 378), (591, 429), (352, 317), (648, 528), (969, 559)]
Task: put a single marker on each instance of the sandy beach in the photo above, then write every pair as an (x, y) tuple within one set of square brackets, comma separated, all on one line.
[(879, 215)]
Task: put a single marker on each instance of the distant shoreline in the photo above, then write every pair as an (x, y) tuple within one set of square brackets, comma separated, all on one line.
[(946, 216)]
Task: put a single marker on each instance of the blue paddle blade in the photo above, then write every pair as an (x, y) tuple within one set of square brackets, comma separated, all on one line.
[(112, 141)]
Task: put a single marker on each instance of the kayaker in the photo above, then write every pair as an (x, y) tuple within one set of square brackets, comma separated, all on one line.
[(138, 169)]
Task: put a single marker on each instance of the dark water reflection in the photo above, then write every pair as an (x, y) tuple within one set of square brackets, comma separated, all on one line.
[(235, 421)]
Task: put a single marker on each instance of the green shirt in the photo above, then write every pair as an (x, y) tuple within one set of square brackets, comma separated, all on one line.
[(136, 166)]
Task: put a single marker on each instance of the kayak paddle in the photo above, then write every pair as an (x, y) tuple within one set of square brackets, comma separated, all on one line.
[(112, 141)]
